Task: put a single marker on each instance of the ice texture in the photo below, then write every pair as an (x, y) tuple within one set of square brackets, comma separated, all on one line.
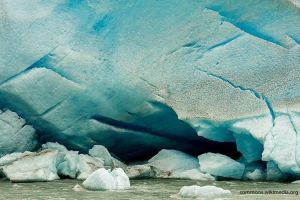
[(220, 165), (208, 191), (207, 76)]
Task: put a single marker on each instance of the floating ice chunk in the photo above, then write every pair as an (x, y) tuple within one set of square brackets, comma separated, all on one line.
[(33, 167), (140, 171), (221, 165), (121, 179), (167, 162), (101, 152), (274, 173), (249, 147), (100, 179), (5, 160), (193, 174), (195, 191), (55, 146), (15, 135)]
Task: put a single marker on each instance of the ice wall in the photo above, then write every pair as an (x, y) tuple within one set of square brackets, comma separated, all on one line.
[(139, 76)]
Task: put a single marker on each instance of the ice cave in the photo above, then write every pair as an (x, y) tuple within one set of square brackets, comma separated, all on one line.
[(186, 89)]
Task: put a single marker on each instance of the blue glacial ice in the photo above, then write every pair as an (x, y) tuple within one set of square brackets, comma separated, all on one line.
[(207, 76), (221, 165)]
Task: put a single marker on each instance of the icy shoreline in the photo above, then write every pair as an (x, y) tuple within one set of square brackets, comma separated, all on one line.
[(54, 161)]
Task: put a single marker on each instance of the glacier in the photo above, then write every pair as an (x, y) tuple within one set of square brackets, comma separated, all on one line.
[(137, 77)]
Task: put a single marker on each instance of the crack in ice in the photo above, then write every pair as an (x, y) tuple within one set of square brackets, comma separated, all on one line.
[(256, 94), (249, 30)]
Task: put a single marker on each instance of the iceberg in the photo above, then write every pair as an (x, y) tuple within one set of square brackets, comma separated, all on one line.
[(207, 76), (220, 165), (32, 167), (101, 179), (208, 191)]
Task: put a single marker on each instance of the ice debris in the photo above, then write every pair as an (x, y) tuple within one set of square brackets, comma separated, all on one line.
[(195, 191)]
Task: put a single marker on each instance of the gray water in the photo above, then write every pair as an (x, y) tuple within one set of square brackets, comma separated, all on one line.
[(140, 189)]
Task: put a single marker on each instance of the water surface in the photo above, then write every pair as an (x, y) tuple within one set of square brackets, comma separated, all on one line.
[(147, 189)]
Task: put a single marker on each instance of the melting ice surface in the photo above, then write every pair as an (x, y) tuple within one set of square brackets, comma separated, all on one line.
[(138, 77)]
